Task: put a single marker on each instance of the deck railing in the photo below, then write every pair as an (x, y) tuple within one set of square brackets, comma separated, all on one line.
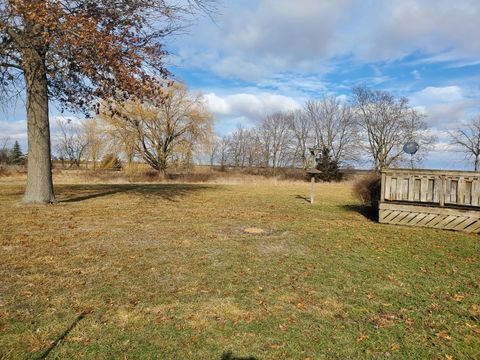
[(433, 187)]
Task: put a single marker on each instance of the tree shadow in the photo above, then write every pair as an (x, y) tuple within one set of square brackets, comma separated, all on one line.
[(230, 356), (369, 212), (304, 198), (62, 336), (169, 192)]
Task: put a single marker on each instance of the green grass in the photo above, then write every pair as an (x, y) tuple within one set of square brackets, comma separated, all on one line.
[(167, 272)]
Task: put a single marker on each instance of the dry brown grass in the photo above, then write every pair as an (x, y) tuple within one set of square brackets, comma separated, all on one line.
[(167, 271)]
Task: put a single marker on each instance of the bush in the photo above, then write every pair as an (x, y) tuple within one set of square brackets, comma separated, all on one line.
[(367, 190), (111, 162)]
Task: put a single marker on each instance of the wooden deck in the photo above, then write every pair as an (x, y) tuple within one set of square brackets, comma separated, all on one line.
[(431, 198)]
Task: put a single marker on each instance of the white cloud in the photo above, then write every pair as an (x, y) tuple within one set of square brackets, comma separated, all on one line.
[(245, 108), (259, 38), (253, 106), (445, 106)]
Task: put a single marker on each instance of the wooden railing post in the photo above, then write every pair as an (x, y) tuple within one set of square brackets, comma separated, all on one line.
[(382, 187), (442, 191)]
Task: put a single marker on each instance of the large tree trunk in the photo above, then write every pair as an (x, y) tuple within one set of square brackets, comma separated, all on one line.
[(39, 178)]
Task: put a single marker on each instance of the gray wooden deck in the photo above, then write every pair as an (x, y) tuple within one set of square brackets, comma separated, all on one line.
[(431, 198)]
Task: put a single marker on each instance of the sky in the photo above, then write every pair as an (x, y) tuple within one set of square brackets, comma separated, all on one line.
[(253, 57)]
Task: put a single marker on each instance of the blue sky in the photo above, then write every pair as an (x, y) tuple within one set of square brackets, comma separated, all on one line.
[(259, 56)]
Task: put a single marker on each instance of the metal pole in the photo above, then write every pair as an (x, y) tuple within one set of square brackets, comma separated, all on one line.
[(312, 189)]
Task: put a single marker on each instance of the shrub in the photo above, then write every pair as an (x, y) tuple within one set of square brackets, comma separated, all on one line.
[(112, 162), (367, 190)]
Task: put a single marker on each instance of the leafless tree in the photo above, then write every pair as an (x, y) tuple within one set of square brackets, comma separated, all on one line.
[(466, 138), (334, 128), (95, 138), (276, 139), (4, 150), (302, 131), (387, 123), (72, 142)]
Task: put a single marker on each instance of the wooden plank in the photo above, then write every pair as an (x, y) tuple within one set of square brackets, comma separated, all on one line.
[(426, 219), (383, 214), (382, 187), (453, 191), (393, 189), (406, 220), (429, 209), (404, 190), (448, 187), (437, 220), (388, 182), (475, 227), (436, 189), (410, 188), (461, 191), (417, 219), (455, 222), (391, 216), (431, 171), (465, 223), (423, 189), (430, 189), (475, 192), (398, 219), (468, 192), (416, 189), (445, 222), (442, 194)]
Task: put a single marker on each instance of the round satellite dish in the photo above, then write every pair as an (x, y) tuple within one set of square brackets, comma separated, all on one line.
[(411, 147)]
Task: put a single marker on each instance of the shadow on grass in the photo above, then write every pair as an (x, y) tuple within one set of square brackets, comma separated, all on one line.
[(369, 212), (304, 198), (61, 337), (170, 192), (229, 356)]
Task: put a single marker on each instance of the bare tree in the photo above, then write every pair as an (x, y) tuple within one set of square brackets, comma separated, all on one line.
[(334, 127), (223, 151), (387, 123), (301, 127), (72, 142), (4, 150), (466, 138), (275, 135), (95, 139)]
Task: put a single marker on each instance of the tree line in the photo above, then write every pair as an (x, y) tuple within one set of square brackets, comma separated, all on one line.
[(371, 127)]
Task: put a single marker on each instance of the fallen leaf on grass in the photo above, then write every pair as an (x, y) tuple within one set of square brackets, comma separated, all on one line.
[(395, 347), (362, 337), (458, 297), (443, 335), (409, 321), (301, 305)]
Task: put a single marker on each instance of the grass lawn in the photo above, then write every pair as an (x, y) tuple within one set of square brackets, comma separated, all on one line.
[(168, 272)]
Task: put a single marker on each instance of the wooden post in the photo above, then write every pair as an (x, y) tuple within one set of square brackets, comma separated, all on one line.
[(312, 189), (382, 187), (442, 191)]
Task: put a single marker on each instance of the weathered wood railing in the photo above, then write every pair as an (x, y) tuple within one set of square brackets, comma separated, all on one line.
[(432, 198)]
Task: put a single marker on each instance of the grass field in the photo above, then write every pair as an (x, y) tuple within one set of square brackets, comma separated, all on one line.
[(168, 271)]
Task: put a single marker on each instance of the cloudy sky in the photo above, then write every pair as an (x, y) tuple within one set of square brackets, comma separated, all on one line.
[(259, 56)]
